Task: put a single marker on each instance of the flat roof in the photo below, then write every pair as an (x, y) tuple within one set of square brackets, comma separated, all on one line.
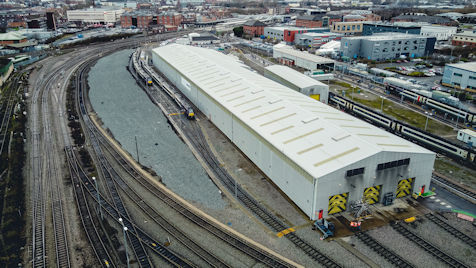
[(468, 66), (300, 54), (316, 137), (294, 77), (282, 28), (468, 132), (387, 36), (11, 36), (319, 34), (466, 33), (376, 23)]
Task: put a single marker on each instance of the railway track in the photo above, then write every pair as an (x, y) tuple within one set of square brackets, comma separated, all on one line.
[(117, 210), (443, 120), (195, 135), (86, 217), (463, 192), (7, 109), (445, 258), (43, 157), (383, 251), (61, 242), (376, 246), (108, 173), (233, 240), (450, 229)]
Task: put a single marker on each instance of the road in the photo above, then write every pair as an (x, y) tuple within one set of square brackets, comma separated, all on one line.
[(447, 201)]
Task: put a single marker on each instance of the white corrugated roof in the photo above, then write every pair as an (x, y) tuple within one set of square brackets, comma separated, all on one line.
[(303, 55), (318, 138), (299, 79)]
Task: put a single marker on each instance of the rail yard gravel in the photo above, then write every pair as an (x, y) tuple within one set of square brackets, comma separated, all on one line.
[(444, 241), (404, 247)]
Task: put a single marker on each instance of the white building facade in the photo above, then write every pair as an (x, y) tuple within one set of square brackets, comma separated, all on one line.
[(95, 15), (440, 32)]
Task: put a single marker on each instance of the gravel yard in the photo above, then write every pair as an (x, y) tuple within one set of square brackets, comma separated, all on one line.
[(360, 246), (445, 241), (404, 247)]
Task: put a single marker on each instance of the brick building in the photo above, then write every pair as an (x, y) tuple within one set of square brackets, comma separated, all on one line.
[(139, 20), (169, 18), (364, 17), (253, 28), (317, 21), (467, 38)]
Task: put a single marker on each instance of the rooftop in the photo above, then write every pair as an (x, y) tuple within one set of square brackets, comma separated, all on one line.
[(254, 23), (468, 66), (387, 36), (282, 28), (11, 36), (467, 33), (319, 34), (468, 131), (300, 54), (316, 137), (96, 9), (294, 77), (383, 24), (430, 19)]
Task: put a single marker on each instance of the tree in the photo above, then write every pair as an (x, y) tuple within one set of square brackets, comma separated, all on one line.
[(238, 31)]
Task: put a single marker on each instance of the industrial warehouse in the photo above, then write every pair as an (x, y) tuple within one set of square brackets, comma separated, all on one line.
[(320, 157)]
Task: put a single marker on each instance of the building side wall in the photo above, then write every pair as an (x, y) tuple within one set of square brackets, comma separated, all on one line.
[(272, 33), (459, 78), (321, 90), (290, 178), (386, 49), (441, 33), (337, 182), (347, 27), (370, 29)]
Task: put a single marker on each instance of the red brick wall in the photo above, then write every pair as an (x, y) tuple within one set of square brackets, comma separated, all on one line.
[(253, 30), (126, 21), (289, 35), (462, 43), (308, 23)]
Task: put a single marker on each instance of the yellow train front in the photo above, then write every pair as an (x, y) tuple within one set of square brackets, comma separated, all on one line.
[(190, 114), (149, 81)]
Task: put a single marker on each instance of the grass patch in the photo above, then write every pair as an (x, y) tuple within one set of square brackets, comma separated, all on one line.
[(455, 171), (416, 74), (340, 83), (401, 113)]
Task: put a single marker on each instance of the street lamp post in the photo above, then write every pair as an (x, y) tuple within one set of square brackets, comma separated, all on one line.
[(97, 196), (381, 106), (124, 230)]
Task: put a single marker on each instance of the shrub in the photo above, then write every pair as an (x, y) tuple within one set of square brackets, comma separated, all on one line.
[(416, 74)]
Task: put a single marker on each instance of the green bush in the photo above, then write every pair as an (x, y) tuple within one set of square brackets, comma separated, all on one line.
[(342, 84), (416, 74)]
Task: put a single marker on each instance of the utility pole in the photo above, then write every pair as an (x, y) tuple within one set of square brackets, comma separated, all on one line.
[(137, 150)]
